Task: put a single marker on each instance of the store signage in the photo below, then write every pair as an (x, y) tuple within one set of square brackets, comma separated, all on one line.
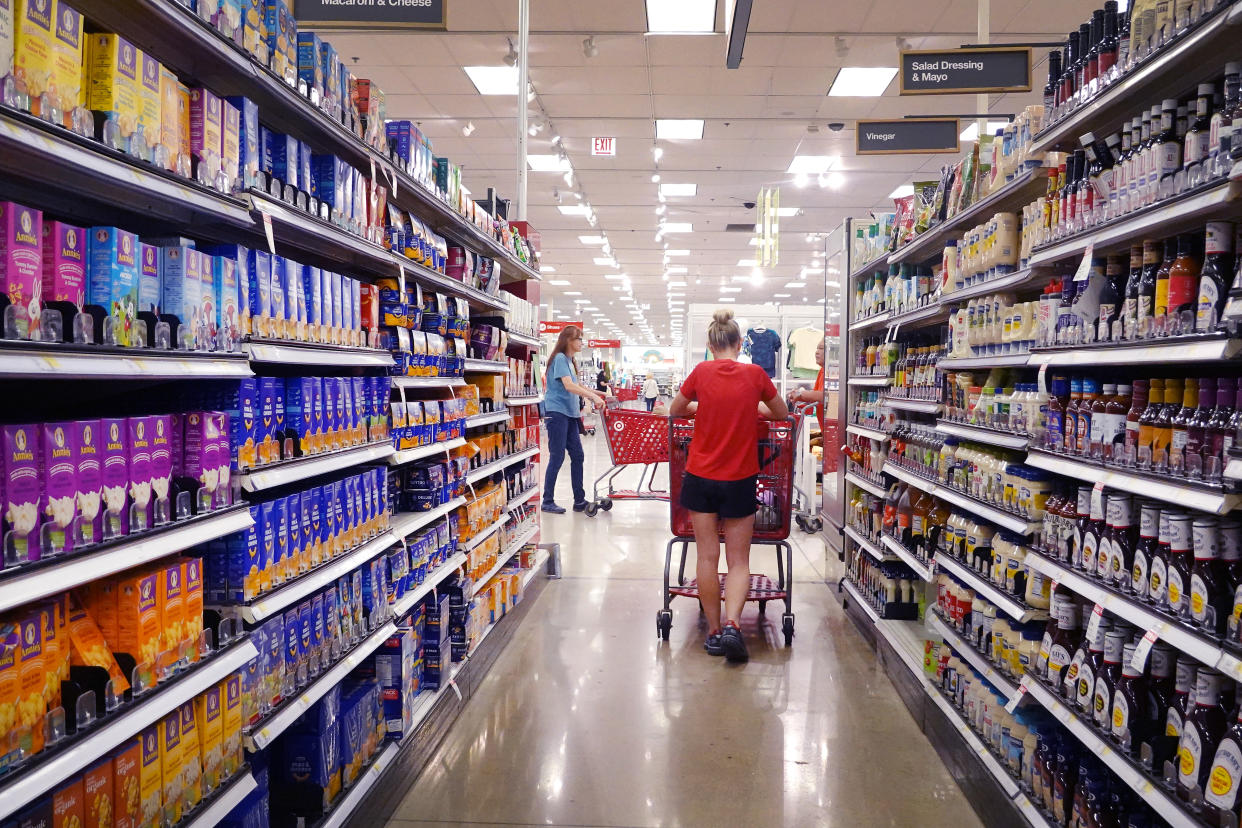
[(557, 327), (604, 146), (952, 71), (603, 343), (906, 136), (365, 14)]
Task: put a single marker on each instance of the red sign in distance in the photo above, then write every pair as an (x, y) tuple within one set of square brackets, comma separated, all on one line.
[(604, 146), (603, 343), (557, 327)]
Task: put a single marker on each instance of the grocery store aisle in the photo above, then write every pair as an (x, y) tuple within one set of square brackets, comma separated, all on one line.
[(587, 720)]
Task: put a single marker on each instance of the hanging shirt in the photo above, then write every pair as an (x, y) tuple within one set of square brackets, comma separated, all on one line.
[(726, 424), (802, 345), (763, 345)]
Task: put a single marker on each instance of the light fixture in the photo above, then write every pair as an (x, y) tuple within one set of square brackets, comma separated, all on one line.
[(655, 179), (861, 81), (573, 293), (812, 164), (468, 129), (795, 284), (592, 239), (902, 191), (559, 282), (589, 49), (726, 299), (801, 180), (730, 290), (971, 132), (677, 269), (756, 277), (831, 181), (681, 16), (745, 262), (572, 209), (544, 163), (605, 261), (494, 80), (672, 190), (683, 129), (547, 269), (657, 153), (780, 295), (511, 56)]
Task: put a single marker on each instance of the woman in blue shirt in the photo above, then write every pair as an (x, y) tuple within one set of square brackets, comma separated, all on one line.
[(564, 415)]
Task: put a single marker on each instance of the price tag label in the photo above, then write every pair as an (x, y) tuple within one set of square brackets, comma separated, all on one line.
[(373, 179), (1143, 649), (1043, 383), (1093, 623), (1084, 267), (1097, 498), (893, 331), (1016, 700), (271, 236), (401, 277), (1055, 583)]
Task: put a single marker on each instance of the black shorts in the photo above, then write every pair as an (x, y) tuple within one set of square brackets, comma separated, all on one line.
[(726, 498)]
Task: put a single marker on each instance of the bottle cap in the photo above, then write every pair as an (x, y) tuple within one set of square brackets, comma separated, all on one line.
[(1207, 89), (1233, 68)]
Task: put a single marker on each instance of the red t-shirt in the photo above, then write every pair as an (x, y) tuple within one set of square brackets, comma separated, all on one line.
[(725, 444)]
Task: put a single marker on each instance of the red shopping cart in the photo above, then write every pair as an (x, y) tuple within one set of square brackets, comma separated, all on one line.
[(772, 521), (627, 394), (635, 438)]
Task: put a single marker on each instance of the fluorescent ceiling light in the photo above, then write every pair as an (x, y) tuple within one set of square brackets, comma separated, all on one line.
[(902, 191), (671, 190), (544, 163), (726, 299), (745, 262), (573, 209), (558, 282), (685, 129), (676, 269), (971, 132), (547, 269), (678, 227), (788, 211), (592, 239), (861, 81), (614, 276), (812, 165), (795, 284), (581, 302), (676, 252), (605, 261), (730, 290), (573, 293), (754, 241), (780, 295), (494, 80)]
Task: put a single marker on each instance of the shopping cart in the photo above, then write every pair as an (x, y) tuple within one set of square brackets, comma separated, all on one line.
[(772, 521), (634, 438), (806, 473), (627, 394)]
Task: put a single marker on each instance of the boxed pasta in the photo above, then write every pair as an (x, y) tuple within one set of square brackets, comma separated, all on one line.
[(127, 764), (149, 286), (97, 796), (259, 273), (21, 261), (282, 36), (172, 790), (150, 100), (192, 598), (248, 140), (112, 278), (206, 124), (23, 490), (138, 616), (90, 479), (67, 60), (114, 82), (64, 264), (254, 29), (59, 473), (32, 671), (208, 720), (170, 606), (279, 299), (191, 758), (170, 116), (230, 143), (159, 426), (207, 311), (296, 549), (88, 648), (138, 438), (230, 733), (32, 46), (68, 810)]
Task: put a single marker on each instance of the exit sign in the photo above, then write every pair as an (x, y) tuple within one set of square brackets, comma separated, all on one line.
[(604, 146)]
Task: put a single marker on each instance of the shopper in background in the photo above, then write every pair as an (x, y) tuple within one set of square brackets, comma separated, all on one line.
[(816, 392), (651, 392), (564, 418), (601, 382), (720, 485)]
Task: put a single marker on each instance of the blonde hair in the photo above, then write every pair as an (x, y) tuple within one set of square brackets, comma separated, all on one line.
[(723, 333)]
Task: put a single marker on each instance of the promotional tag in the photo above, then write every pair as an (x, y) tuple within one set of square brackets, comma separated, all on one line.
[(1017, 698), (1141, 650)]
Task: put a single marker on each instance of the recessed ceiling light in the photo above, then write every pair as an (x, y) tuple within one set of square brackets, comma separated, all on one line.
[(788, 211), (581, 302), (592, 239), (573, 293), (559, 282), (605, 261), (812, 164), (861, 81), (614, 276), (795, 284), (547, 269), (684, 129), (745, 262), (780, 295), (726, 299), (544, 163), (672, 190), (676, 252), (573, 209), (730, 290), (902, 191), (678, 227), (494, 80)]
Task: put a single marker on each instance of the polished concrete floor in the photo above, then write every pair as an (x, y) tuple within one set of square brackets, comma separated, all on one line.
[(587, 720)]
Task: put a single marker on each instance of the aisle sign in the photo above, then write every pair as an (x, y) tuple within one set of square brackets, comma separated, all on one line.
[(953, 71), (557, 327), (364, 14), (603, 343), (908, 136), (604, 146)]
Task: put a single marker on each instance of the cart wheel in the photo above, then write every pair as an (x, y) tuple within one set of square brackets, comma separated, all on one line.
[(817, 525), (787, 627), (664, 623), (592, 509), (801, 521), (763, 607), (606, 504)]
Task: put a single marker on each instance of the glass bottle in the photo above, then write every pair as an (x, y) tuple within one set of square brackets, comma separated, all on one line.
[(1169, 150), (1106, 678), (1067, 72), (1084, 667), (1094, 448), (1122, 539), (1201, 733), (1219, 433), (1125, 327), (1064, 642), (1130, 714), (1058, 403), (1144, 550), (1082, 432), (1218, 265), (1222, 119), (1082, 522), (1181, 704), (1196, 430), (1179, 430), (1114, 432), (1109, 43), (1128, 454), (1071, 415), (1220, 798), (1147, 425), (1158, 582), (1184, 286), (1197, 143), (1162, 433), (1181, 558), (1160, 309), (1054, 80), (1091, 71), (1080, 63), (1093, 530), (1161, 684), (1146, 294), (1211, 600)]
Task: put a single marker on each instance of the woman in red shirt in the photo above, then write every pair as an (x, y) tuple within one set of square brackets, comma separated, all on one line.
[(725, 397)]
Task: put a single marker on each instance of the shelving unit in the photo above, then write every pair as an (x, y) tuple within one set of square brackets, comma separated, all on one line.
[(869, 433), (427, 382), (979, 434), (1007, 520), (304, 468), (865, 545), (488, 418), (507, 553), (213, 811), (324, 356), (79, 362), (869, 381), (1011, 606), (968, 652), (865, 484), (528, 399), (407, 523), (917, 406), (922, 569), (486, 366), (489, 469), (400, 458)]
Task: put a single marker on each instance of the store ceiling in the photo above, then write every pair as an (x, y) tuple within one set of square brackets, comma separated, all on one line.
[(756, 120)]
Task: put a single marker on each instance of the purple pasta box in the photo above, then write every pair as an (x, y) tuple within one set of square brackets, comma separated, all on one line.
[(21, 261), (64, 264), (114, 471), (224, 455), (201, 455), (23, 492), (88, 441), (59, 472), (139, 434), (160, 429)]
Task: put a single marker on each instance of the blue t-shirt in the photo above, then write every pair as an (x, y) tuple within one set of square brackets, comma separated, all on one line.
[(556, 397)]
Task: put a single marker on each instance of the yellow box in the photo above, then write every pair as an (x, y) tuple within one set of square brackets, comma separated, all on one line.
[(32, 46), (170, 765), (150, 99), (183, 118), (170, 115), (171, 608), (191, 759), (10, 653), (31, 678), (208, 716), (192, 597), (67, 60), (230, 139), (114, 84), (6, 37), (150, 779), (469, 393), (52, 654), (230, 731)]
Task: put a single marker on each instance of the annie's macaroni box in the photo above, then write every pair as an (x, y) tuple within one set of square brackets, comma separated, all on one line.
[(277, 298), (207, 295), (112, 277), (230, 141), (150, 100), (205, 124), (248, 139), (170, 116), (238, 292), (160, 428), (181, 283), (67, 54), (259, 273), (21, 260), (6, 38), (23, 490), (114, 470), (90, 480), (139, 438), (149, 287), (59, 474), (32, 46), (64, 264), (224, 278), (114, 81)]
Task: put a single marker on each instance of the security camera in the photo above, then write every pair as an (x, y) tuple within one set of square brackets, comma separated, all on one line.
[(749, 205), (836, 126)]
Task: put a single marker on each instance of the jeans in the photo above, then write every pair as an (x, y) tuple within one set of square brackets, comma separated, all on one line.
[(562, 436), (651, 401)]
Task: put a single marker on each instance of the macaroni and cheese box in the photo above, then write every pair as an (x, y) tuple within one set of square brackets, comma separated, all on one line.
[(312, 292), (192, 598), (90, 485), (150, 100), (207, 296), (160, 427), (228, 19), (115, 478), (21, 260), (230, 732), (170, 765), (285, 159), (282, 35), (181, 284), (259, 274), (239, 258), (330, 63), (6, 38), (248, 140), (112, 277), (114, 82), (148, 278), (312, 524), (224, 278), (99, 801), (304, 166), (206, 125), (58, 473), (183, 121), (170, 116), (267, 437), (33, 51), (238, 577), (294, 548), (310, 64), (171, 606), (127, 783), (191, 758), (209, 722), (254, 29), (150, 778), (138, 617), (67, 60), (279, 298), (68, 810), (230, 143), (88, 648)]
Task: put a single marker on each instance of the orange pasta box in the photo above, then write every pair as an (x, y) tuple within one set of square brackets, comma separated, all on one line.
[(67, 59), (191, 758), (230, 729), (170, 766), (87, 647), (209, 718), (114, 81), (62, 632), (32, 47), (150, 780), (51, 654), (170, 115), (138, 617), (192, 597), (67, 805), (31, 669), (97, 796), (99, 598), (127, 784), (10, 655), (171, 608)]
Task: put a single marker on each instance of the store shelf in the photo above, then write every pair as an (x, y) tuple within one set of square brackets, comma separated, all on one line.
[(1000, 517), (328, 356), (489, 418), (51, 576), (1165, 803), (486, 366), (1156, 352), (400, 458), (354, 796), (1173, 215), (878, 263), (58, 763), (870, 321), (967, 651), (1026, 278), (509, 552), (220, 803), (865, 484), (1171, 73), (541, 560), (290, 593), (488, 470), (529, 399), (519, 499), (407, 523), (302, 468), (917, 406), (415, 383), (919, 317), (869, 433), (869, 382), (1190, 641), (1007, 603), (32, 360), (1161, 487), (867, 546), (862, 602), (477, 540), (280, 720), (308, 234), (523, 339), (922, 569), (993, 361), (979, 434), (407, 602)]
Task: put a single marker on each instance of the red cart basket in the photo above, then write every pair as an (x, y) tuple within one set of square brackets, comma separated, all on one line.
[(635, 438), (772, 520), (627, 394)]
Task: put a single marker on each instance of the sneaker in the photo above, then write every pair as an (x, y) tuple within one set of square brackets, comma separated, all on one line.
[(580, 507), (732, 643), (712, 645), (552, 508)]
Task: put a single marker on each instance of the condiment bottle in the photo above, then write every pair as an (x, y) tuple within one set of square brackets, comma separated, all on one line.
[(1113, 428), (1211, 599), (1197, 142), (1082, 519), (1184, 286), (1179, 428), (1064, 642), (1219, 435), (1089, 660), (1161, 686), (1160, 309), (1180, 705), (1147, 425), (1120, 541), (1162, 433), (1180, 561), (1071, 415), (1093, 530), (1220, 798), (1127, 322), (1146, 294), (1196, 430), (1138, 404), (1106, 678), (1144, 550), (1157, 592), (1058, 403), (1214, 278), (1131, 714), (1086, 405), (1201, 733), (1094, 444)]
